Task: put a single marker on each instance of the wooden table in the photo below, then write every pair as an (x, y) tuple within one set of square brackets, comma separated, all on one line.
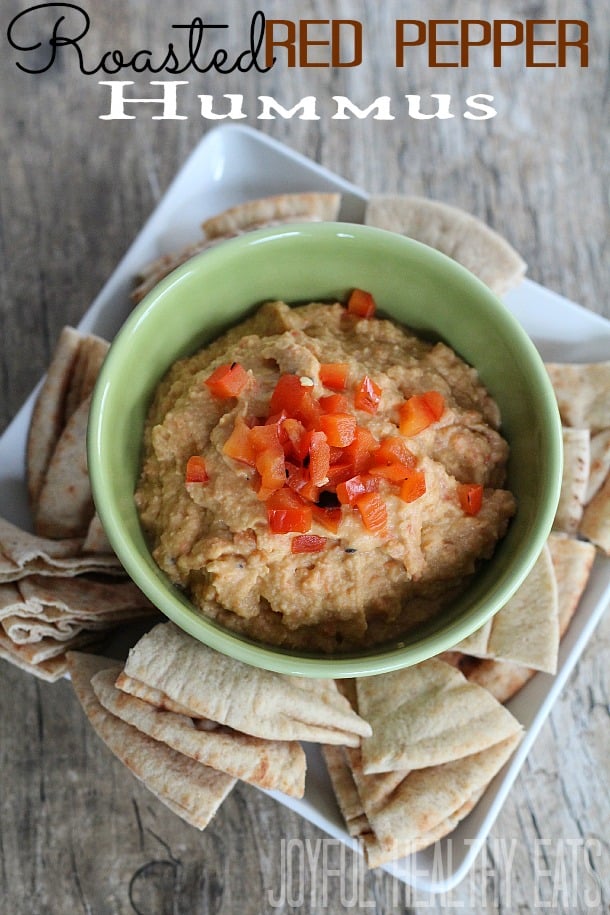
[(77, 832)]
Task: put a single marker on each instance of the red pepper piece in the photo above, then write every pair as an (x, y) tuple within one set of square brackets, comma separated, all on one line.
[(334, 375), (287, 513), (361, 304), (393, 449), (420, 411), (339, 428), (195, 470), (413, 486), (295, 398), (471, 497), (307, 543), (329, 518), (335, 403), (362, 450), (238, 445), (350, 491), (373, 512), (319, 458), (367, 396), (394, 472), (227, 380)]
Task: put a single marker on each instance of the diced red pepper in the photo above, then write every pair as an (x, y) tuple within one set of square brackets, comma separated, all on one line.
[(287, 513), (262, 438), (373, 512), (361, 451), (294, 442), (335, 403), (339, 428), (350, 491), (195, 470), (227, 380), (413, 486), (361, 303), (435, 402), (394, 472), (329, 518), (307, 543), (393, 449), (334, 375), (367, 396), (238, 445), (420, 411), (319, 458), (297, 478), (471, 497), (271, 465), (339, 473), (295, 398)]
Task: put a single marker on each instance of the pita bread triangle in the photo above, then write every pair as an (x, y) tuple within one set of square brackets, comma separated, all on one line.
[(583, 393), (463, 237), (574, 480), (248, 699), (268, 764), (192, 790), (427, 715), (402, 807), (526, 630)]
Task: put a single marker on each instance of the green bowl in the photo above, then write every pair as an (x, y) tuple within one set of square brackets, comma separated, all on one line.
[(413, 284)]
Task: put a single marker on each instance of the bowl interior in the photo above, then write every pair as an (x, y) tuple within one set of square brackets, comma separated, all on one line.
[(413, 284)]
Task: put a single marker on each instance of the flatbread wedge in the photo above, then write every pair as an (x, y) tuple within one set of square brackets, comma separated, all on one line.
[(574, 481), (190, 789), (595, 524), (271, 705), (463, 237), (403, 807), (427, 715), (65, 504), (526, 630), (72, 372), (41, 606), (23, 553), (308, 206), (583, 393), (278, 765)]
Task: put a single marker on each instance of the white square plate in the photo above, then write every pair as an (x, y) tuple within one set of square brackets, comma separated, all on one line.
[(232, 164)]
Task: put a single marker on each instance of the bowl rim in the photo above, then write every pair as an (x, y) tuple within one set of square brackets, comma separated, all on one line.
[(161, 592)]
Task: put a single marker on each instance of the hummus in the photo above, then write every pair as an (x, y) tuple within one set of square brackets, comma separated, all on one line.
[(213, 537)]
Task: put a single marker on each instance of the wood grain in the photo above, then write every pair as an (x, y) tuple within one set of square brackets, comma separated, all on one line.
[(77, 832)]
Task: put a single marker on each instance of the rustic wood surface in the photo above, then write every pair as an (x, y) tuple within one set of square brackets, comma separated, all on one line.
[(77, 832)]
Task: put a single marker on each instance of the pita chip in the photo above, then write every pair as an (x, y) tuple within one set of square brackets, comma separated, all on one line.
[(192, 790), (23, 553), (427, 715), (96, 540), (268, 764), (572, 561), (308, 206), (65, 503), (503, 679), (575, 478), (425, 802), (600, 463), (158, 269), (526, 630), (74, 367), (461, 236), (595, 524), (345, 790), (49, 670), (41, 606), (48, 414), (270, 705), (583, 393)]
